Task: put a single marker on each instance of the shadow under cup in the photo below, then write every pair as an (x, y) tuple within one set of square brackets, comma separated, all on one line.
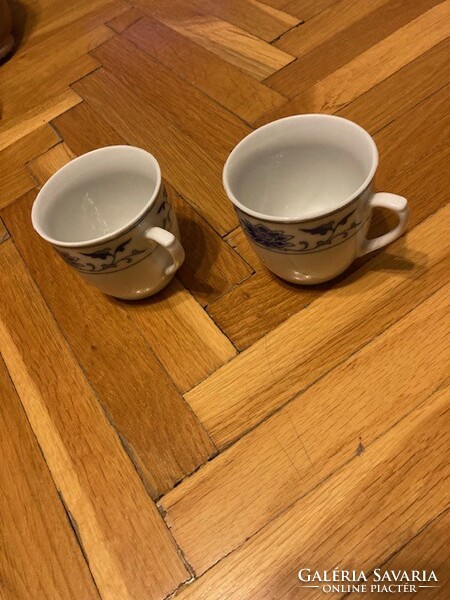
[(292, 181)]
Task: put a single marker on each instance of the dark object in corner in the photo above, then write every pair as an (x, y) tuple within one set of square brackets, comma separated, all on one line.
[(6, 38)]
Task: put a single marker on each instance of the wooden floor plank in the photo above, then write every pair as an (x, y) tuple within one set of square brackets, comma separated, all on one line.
[(261, 20), (263, 301), (241, 245), (405, 143), (428, 548), (211, 267), (370, 41), (214, 76), (126, 19), (34, 83), (248, 312), (295, 354), (231, 498), (306, 9), (55, 16), (130, 551), (162, 435), (386, 491), (185, 165), (15, 179), (381, 61), (278, 4), (303, 9), (4, 233), (175, 319), (206, 122), (46, 165), (337, 17), (52, 106), (405, 89), (322, 443), (389, 99), (39, 551), (94, 131), (247, 52)]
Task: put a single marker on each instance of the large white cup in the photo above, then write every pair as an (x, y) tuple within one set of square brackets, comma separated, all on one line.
[(302, 190)]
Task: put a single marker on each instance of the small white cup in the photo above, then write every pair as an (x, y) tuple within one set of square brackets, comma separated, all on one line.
[(302, 190), (107, 214)]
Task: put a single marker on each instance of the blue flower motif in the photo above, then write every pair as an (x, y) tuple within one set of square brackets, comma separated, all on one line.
[(270, 238)]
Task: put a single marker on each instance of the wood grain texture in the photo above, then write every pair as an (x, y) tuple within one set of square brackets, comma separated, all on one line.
[(305, 9), (15, 179), (35, 82), (429, 547), (372, 37), (163, 437), (409, 140), (323, 442), (231, 498), (337, 17), (247, 52), (405, 89), (258, 18), (46, 165), (39, 550), (210, 268), (185, 164), (202, 119), (175, 319), (131, 553), (382, 60), (52, 107), (410, 157), (84, 130), (386, 491), (239, 242), (229, 403), (222, 81), (391, 98), (4, 233), (125, 19), (58, 16)]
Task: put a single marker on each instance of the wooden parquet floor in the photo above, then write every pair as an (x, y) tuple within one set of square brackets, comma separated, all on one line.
[(212, 441)]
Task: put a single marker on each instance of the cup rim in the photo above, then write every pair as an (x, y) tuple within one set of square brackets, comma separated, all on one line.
[(40, 198), (318, 214)]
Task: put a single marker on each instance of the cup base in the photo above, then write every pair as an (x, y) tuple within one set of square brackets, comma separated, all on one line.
[(145, 293), (307, 280)]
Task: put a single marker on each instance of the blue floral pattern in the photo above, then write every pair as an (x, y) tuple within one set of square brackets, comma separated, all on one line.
[(270, 238), (312, 239), (104, 260)]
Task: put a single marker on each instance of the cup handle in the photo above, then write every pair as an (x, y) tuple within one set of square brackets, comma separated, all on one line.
[(399, 205), (168, 241)]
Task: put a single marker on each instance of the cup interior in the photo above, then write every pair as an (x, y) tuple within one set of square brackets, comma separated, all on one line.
[(300, 167), (96, 195)]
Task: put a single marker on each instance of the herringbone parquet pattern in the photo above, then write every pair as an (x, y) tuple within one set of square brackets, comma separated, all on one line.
[(217, 438)]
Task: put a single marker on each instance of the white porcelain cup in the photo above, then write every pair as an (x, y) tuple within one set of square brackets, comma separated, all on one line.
[(107, 214), (302, 190)]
